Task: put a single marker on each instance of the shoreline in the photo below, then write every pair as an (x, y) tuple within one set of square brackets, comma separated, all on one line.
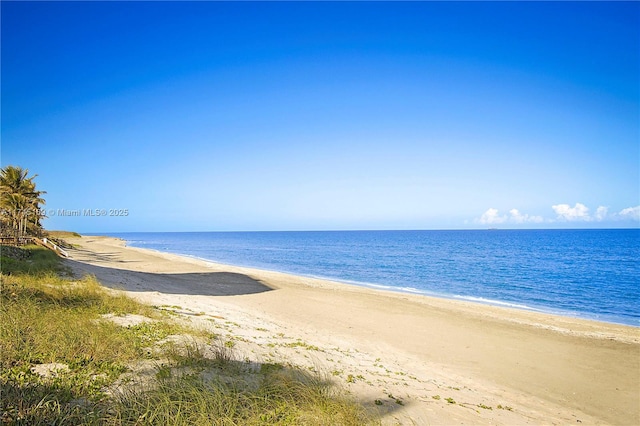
[(544, 318), (542, 366), (543, 310)]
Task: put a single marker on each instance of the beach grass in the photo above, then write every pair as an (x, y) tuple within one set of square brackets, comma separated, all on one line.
[(31, 259), (64, 361), (63, 234)]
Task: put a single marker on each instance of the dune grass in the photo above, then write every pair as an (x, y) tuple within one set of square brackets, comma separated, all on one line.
[(61, 361), (233, 393), (62, 234), (32, 259)]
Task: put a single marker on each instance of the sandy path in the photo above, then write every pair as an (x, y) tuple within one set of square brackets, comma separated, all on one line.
[(389, 347)]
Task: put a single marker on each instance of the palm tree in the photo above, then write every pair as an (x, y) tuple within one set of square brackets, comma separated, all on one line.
[(20, 202)]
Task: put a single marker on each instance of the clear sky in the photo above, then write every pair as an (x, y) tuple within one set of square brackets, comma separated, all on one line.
[(212, 116)]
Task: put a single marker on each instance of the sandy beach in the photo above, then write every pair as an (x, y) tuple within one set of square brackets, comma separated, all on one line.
[(418, 360)]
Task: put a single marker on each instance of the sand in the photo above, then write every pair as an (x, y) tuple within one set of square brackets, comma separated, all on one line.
[(418, 360)]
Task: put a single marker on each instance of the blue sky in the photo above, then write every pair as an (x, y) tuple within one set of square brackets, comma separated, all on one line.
[(212, 116)]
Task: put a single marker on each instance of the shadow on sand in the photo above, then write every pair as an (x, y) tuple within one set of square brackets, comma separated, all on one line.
[(198, 283)]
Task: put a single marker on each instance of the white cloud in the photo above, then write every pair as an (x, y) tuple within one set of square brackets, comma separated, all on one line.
[(517, 217), (632, 213), (491, 217), (564, 213), (579, 212), (601, 213)]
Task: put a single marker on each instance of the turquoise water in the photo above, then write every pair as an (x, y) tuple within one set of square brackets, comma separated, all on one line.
[(591, 274)]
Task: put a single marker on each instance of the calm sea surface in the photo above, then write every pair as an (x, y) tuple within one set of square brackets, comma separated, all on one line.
[(583, 273)]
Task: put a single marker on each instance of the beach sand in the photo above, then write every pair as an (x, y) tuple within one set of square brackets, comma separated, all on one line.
[(418, 360)]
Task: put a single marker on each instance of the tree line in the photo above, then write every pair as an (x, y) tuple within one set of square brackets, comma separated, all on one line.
[(20, 204)]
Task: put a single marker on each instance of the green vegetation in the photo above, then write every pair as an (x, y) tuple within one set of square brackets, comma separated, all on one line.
[(29, 260), (66, 361), (280, 396), (20, 202), (397, 400), (301, 344), (63, 234)]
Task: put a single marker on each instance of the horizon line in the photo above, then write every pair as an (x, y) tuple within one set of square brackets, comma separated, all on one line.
[(348, 230)]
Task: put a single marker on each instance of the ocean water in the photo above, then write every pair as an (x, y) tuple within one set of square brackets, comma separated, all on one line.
[(592, 274)]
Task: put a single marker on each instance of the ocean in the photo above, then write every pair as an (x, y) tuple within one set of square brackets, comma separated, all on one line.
[(593, 274)]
